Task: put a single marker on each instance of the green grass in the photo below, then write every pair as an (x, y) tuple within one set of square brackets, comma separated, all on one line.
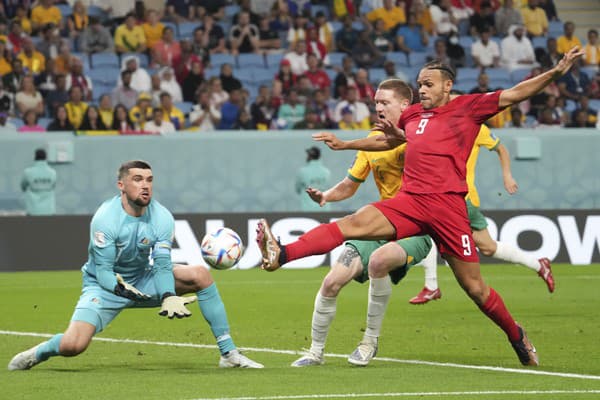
[(273, 311)]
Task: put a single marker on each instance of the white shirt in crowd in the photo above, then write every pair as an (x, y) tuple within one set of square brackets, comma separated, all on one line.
[(164, 127)]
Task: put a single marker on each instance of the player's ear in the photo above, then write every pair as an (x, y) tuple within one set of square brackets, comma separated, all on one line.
[(120, 185)]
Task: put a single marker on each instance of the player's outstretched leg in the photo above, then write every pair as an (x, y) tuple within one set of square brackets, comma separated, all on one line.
[(269, 246), (35, 355), (430, 291), (545, 272), (525, 350), (323, 315)]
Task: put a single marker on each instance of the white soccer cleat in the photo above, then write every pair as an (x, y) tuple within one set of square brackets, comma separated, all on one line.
[(25, 359), (364, 353), (308, 359), (235, 359)]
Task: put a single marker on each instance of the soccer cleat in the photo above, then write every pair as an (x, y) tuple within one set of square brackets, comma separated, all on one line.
[(235, 359), (269, 247), (25, 359), (525, 350), (545, 273), (364, 353), (426, 295), (309, 358)]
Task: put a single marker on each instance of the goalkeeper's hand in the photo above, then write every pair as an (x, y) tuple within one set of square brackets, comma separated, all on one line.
[(126, 290), (174, 306)]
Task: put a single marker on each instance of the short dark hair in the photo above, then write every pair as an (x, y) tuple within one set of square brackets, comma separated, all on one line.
[(126, 166), (400, 87), (40, 154), (447, 71)]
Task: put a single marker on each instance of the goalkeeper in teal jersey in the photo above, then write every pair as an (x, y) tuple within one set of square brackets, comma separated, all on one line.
[(129, 266)]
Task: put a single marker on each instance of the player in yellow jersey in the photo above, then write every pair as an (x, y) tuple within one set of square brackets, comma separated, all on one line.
[(484, 242), (392, 97)]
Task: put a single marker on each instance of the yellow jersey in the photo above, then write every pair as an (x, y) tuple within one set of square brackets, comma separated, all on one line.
[(41, 15), (387, 167), (76, 112), (486, 139)]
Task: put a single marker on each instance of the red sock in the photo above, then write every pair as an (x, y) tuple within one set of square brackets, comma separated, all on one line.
[(495, 309), (319, 240)]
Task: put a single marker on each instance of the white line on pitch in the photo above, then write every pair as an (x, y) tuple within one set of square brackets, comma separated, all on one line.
[(293, 352)]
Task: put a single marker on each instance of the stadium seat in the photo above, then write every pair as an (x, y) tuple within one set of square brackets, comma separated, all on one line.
[(498, 74), (142, 57), (315, 8), (95, 11), (555, 29), (539, 41), (65, 10), (376, 75), (209, 72), (518, 75), (467, 74), (186, 30), (44, 121), (336, 26), (245, 60), (173, 26), (570, 106), (417, 58), (590, 71), (358, 25), (85, 59), (465, 86), (398, 57), (101, 60), (273, 60), (184, 106), (108, 75), (595, 104), (218, 59), (231, 10), (335, 58)]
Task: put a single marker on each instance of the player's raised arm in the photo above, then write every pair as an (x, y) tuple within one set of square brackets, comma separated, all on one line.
[(370, 143), (342, 190), (530, 87)]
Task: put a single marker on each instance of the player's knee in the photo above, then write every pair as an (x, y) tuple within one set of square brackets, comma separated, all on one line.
[(70, 347), (199, 278), (487, 250), (378, 265), (476, 291), (330, 287)]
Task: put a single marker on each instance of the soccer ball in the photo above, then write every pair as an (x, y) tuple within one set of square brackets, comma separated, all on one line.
[(222, 248)]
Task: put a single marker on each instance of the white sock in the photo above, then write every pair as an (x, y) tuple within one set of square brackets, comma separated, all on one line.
[(323, 314), (512, 254), (429, 264), (380, 290)]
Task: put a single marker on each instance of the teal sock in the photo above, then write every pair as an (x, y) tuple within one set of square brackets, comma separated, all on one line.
[(213, 310), (50, 348)]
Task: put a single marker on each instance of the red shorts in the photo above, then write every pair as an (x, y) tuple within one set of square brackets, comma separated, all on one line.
[(441, 215)]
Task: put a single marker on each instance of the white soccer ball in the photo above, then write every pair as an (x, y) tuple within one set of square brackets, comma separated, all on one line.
[(222, 248)]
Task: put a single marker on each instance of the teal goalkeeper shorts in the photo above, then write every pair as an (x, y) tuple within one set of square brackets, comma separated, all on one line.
[(476, 218), (416, 247), (98, 306)]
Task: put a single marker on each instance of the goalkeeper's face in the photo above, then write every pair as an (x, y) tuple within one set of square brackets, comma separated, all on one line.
[(136, 186)]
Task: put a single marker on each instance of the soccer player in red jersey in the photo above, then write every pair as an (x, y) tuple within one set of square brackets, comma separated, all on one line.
[(440, 132)]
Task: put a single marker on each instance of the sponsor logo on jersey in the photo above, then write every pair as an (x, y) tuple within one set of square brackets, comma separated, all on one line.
[(145, 241), (99, 239), (426, 115)]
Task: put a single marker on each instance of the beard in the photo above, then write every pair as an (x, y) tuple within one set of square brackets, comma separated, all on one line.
[(141, 202)]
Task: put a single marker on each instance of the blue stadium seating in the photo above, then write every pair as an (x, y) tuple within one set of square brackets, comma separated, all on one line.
[(95, 11), (245, 60), (417, 58), (555, 29), (465, 86), (65, 10), (231, 10), (539, 41), (499, 77), (185, 30), (335, 58), (315, 8), (184, 106), (274, 59), (570, 106), (218, 59), (101, 60), (376, 75), (518, 75), (142, 57), (398, 57), (595, 104), (467, 74)]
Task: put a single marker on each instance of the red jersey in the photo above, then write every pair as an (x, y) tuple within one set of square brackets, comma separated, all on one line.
[(440, 141)]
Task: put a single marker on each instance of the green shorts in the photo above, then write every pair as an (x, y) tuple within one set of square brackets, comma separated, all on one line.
[(476, 218), (416, 248)]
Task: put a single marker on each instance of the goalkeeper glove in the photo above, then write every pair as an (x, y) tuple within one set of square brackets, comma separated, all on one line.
[(126, 290), (174, 306)]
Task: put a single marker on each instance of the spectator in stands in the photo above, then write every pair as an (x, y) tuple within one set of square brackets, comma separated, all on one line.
[(215, 8), (584, 105), (210, 36), (184, 66), (297, 30), (304, 89), (230, 110), (325, 30), (129, 37), (30, 120), (411, 36), (178, 11), (21, 17), (61, 120), (443, 19), (106, 110), (263, 109), (547, 119), (76, 107), (167, 51), (286, 76), (218, 96), (45, 81), (204, 116), (366, 91), (244, 37), (7, 101), (169, 84), (299, 7), (192, 82), (9, 126), (228, 81), (347, 122), (310, 120), (592, 49), (365, 54), (550, 9), (391, 14), (297, 57), (321, 104), (244, 121), (423, 16), (153, 28), (28, 98), (344, 78), (291, 111), (440, 52), (568, 40), (346, 37), (595, 87), (58, 96), (462, 10), (268, 39), (314, 46), (171, 113), (381, 38), (96, 38), (15, 37), (389, 67), (534, 19), (121, 121), (580, 120), (483, 20), (507, 16), (246, 7), (78, 21), (158, 123), (516, 119), (516, 50), (124, 93), (77, 78), (62, 62), (483, 84), (5, 58), (44, 13), (317, 75), (575, 83), (12, 80), (33, 61), (50, 41), (485, 52), (91, 120), (550, 56), (140, 80), (360, 111), (559, 115), (142, 111)]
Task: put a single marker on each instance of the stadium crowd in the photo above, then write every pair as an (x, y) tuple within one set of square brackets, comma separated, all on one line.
[(125, 66)]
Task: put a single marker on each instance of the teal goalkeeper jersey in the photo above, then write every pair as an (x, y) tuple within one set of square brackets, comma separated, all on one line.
[(121, 243)]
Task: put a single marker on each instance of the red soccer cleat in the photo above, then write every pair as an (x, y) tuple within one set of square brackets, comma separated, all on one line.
[(426, 295), (545, 273)]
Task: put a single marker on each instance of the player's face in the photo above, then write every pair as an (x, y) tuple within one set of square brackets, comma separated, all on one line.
[(136, 186), (434, 91), (389, 105)]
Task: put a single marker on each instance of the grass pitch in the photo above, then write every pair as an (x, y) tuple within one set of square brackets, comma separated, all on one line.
[(445, 349)]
